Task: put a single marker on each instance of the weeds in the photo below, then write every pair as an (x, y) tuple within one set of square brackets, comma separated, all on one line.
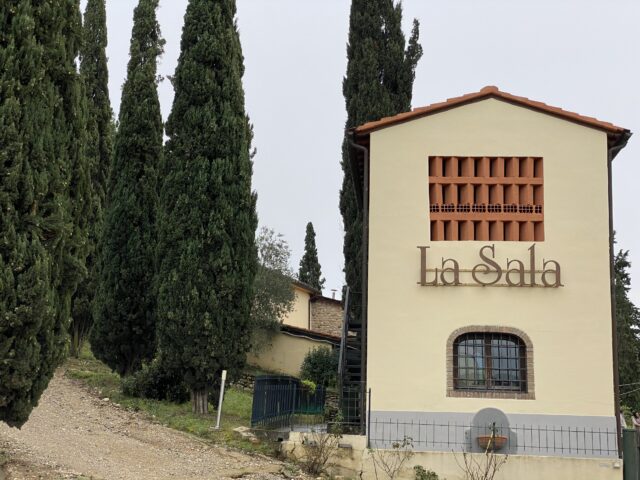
[(421, 474), (318, 448), (391, 462)]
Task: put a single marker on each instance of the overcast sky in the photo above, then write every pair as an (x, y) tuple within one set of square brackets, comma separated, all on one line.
[(581, 55)]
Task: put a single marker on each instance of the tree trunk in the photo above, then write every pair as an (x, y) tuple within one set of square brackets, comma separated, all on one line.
[(76, 342), (200, 401)]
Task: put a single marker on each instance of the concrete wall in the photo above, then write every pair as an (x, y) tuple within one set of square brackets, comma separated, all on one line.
[(285, 353), (569, 327), (356, 462), (326, 316), (299, 316)]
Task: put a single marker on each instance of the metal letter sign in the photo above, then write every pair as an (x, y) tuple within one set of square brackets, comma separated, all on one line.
[(489, 273)]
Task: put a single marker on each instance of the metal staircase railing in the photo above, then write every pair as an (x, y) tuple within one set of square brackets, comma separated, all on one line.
[(351, 381)]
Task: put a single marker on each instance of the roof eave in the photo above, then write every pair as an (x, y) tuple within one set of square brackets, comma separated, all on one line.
[(484, 94)]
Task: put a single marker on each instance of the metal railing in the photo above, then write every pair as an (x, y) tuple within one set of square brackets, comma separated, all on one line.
[(284, 402), (548, 440), (343, 337)]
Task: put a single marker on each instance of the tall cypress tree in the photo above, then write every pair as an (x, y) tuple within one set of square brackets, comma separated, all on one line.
[(207, 218), (93, 68), (310, 272), (123, 335), (42, 165), (70, 122), (378, 83), (628, 329)]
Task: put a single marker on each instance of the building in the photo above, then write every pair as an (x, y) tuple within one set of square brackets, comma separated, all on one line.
[(315, 321), (488, 294)]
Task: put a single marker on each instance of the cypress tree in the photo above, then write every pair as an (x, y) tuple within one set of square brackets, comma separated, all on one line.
[(70, 123), (123, 335), (378, 83), (310, 272), (43, 184), (93, 68), (207, 218), (628, 327)]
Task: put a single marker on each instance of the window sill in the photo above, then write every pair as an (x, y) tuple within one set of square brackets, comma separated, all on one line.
[(490, 394)]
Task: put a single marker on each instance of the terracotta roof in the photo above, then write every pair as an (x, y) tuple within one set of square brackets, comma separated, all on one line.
[(322, 298), (309, 333), (305, 286), (488, 92)]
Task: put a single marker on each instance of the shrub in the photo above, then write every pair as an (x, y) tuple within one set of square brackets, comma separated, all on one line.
[(422, 474), (309, 385), (318, 450), (320, 365), (156, 382), (391, 462)]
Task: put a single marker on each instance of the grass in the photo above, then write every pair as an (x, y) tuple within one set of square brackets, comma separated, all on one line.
[(236, 408)]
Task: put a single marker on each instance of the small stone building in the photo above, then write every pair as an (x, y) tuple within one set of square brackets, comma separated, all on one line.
[(326, 315)]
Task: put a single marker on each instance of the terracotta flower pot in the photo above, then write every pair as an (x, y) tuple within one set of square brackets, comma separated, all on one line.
[(489, 442)]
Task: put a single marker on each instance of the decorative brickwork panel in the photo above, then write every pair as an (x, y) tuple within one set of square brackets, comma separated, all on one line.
[(486, 198), (326, 316)]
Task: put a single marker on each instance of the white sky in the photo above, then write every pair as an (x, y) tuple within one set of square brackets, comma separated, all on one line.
[(581, 55)]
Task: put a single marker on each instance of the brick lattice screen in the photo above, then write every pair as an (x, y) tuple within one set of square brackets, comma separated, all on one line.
[(486, 198)]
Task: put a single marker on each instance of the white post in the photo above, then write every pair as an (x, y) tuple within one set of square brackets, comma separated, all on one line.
[(224, 378)]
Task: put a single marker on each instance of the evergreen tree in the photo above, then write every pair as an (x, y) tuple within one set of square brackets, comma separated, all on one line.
[(378, 83), (70, 122), (207, 218), (628, 329), (273, 295), (93, 68), (42, 166), (123, 335), (309, 272)]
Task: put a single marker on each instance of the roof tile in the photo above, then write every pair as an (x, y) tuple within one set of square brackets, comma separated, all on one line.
[(489, 91)]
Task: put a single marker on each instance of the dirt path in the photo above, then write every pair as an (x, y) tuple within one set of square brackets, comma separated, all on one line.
[(72, 434)]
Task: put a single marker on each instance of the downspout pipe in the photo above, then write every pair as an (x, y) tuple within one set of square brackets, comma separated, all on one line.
[(353, 165), (611, 154), (365, 267)]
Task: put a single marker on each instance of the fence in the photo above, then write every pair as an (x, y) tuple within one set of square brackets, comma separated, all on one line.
[(512, 439), (631, 447), (350, 417), (280, 401)]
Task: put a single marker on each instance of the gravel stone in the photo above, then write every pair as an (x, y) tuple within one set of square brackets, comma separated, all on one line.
[(73, 434)]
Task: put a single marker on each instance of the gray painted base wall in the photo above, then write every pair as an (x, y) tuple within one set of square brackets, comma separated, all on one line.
[(546, 435)]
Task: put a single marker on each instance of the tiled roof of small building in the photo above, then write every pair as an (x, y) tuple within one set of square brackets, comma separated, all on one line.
[(314, 334)]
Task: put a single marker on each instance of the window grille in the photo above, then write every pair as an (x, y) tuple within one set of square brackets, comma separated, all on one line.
[(486, 198), (489, 361)]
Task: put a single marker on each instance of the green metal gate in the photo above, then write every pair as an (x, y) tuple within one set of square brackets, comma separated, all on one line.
[(631, 454)]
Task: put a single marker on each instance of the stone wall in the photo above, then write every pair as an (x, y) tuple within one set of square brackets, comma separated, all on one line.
[(245, 382), (326, 316)]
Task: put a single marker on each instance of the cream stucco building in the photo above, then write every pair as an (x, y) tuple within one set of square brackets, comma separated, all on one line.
[(487, 288), (314, 322)]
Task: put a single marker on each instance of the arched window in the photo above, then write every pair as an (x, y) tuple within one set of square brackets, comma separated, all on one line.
[(489, 361)]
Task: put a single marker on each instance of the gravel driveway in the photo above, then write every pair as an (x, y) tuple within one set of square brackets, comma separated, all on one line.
[(73, 434)]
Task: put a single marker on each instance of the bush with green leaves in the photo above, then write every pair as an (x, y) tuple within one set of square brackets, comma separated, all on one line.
[(320, 365), (422, 474), (157, 382)]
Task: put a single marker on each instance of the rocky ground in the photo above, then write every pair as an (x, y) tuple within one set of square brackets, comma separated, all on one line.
[(73, 434)]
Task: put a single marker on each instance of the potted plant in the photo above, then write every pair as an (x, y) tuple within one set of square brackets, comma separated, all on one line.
[(493, 441)]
